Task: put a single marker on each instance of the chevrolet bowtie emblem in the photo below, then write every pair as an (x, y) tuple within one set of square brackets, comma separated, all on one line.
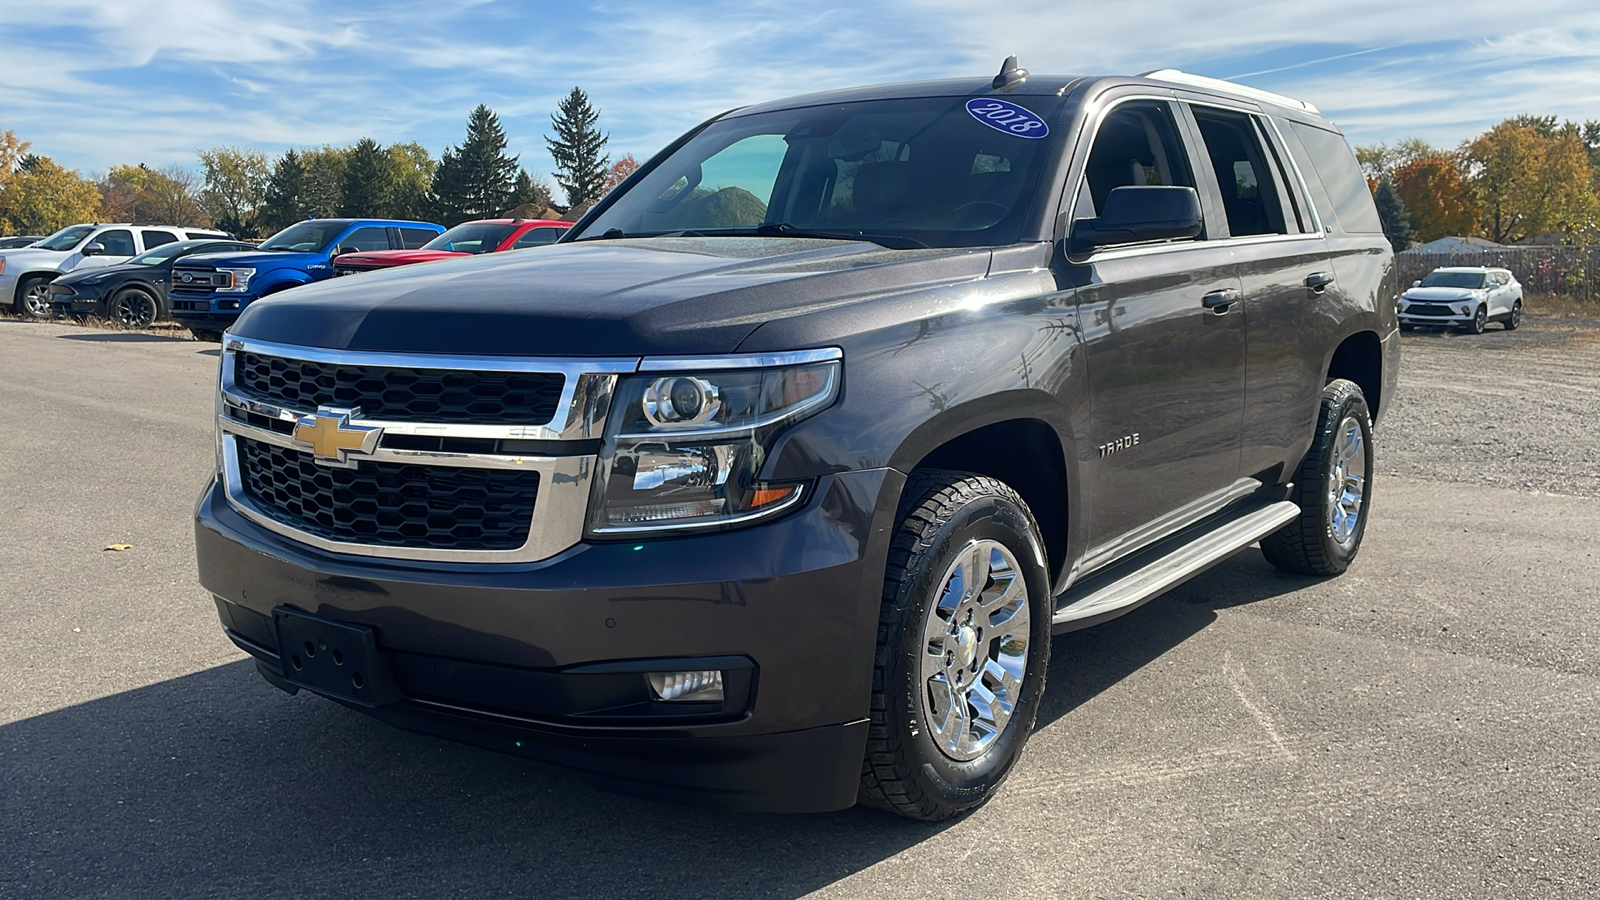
[(332, 437)]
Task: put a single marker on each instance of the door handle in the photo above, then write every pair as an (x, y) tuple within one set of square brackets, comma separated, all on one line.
[(1220, 300), (1319, 280)]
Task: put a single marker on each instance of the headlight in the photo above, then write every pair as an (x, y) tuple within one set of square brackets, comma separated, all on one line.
[(683, 448), (241, 280)]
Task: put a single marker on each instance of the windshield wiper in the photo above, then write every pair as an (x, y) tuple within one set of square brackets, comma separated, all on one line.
[(892, 241)]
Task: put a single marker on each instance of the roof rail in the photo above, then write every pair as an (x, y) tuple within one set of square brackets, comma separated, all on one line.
[(1228, 87)]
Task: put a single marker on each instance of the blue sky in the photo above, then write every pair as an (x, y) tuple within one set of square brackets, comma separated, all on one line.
[(94, 84)]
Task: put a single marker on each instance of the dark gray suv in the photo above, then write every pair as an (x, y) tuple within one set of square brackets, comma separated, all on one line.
[(767, 486)]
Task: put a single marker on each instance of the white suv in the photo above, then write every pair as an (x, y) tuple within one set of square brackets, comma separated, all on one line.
[(26, 272), (1465, 296)]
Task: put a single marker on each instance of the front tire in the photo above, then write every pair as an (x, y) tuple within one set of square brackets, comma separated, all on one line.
[(132, 308), (1515, 319), (1480, 320), (33, 298), (963, 645), (1333, 487)]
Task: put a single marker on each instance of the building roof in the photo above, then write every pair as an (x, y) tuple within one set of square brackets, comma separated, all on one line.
[(1453, 244)]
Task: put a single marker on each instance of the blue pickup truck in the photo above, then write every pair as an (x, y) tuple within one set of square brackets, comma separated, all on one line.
[(208, 290)]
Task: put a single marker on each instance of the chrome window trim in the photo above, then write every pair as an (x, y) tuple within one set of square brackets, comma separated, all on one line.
[(558, 519), (1127, 250), (739, 360), (1299, 176)]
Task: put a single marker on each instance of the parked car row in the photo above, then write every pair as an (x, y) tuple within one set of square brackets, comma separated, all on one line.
[(133, 274)]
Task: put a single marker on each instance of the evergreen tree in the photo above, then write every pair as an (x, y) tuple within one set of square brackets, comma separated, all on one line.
[(368, 181), (1392, 213), (578, 148), (527, 190), (323, 193), (281, 204), (475, 180)]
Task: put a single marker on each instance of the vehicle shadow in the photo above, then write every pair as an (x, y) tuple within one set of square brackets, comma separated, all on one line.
[(1085, 664), (214, 351), (214, 784), (123, 337)]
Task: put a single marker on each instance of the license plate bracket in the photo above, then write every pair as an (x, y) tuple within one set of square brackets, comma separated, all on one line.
[(333, 658)]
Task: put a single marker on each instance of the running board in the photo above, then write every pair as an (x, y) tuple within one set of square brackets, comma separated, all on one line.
[(1176, 566)]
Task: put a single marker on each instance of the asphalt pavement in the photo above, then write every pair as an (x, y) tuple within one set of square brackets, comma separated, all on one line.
[(1425, 726)]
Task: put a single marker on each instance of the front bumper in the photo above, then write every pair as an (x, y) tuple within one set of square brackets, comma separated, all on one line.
[(510, 656), (76, 303)]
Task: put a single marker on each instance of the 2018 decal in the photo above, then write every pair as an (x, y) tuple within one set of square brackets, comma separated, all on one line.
[(1007, 117)]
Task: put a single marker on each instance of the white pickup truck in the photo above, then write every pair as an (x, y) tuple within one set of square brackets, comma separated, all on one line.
[(1463, 296), (26, 272)]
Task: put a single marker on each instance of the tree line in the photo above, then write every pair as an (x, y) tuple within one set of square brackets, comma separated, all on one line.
[(1527, 178), (251, 194)]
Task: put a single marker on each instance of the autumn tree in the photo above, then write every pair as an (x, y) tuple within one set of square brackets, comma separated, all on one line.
[(620, 170), (531, 191), (475, 180), (411, 169), (1531, 177), (1437, 197), (137, 193), (12, 150), (43, 197), (578, 147), (1380, 160), (235, 186)]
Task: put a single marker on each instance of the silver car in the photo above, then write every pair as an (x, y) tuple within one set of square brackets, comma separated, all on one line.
[(1467, 297)]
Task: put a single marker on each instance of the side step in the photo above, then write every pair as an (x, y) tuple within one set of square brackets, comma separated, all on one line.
[(1171, 568)]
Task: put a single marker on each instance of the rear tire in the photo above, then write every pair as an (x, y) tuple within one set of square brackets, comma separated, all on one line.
[(1333, 487), (132, 308), (963, 645)]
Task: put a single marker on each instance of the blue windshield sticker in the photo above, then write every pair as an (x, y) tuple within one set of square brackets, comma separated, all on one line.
[(1007, 117)]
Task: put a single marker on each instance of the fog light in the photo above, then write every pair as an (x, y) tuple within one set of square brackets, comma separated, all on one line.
[(687, 686)]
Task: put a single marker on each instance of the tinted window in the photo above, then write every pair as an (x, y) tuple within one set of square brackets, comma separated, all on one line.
[(412, 238), (1239, 160), (366, 239), (203, 235), (923, 169), (156, 238), (538, 237), (307, 237), (184, 248), (471, 237), (1136, 144), (118, 242), (1341, 177)]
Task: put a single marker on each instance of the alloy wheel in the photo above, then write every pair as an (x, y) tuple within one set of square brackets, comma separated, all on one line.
[(1347, 480), (974, 650)]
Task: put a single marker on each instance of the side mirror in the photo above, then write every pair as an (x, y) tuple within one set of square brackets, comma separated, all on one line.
[(342, 250), (1137, 214), (1416, 284), (94, 249)]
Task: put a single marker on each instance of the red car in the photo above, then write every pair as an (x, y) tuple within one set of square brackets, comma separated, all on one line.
[(466, 239)]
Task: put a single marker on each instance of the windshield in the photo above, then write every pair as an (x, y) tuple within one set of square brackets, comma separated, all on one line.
[(1455, 279), (65, 239), (471, 237), (933, 171), (306, 237)]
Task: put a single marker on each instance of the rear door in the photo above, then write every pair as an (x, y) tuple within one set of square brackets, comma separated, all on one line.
[(1285, 272), (1165, 372)]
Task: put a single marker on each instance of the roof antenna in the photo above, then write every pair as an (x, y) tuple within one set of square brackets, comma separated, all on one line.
[(1010, 73)]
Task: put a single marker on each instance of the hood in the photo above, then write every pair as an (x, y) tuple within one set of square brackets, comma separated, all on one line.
[(34, 257), (254, 259), (679, 295), (382, 259), (1437, 294)]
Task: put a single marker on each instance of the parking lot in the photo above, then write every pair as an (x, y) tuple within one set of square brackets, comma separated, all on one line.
[(1425, 726)]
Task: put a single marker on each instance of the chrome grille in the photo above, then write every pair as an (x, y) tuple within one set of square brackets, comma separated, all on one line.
[(400, 394)]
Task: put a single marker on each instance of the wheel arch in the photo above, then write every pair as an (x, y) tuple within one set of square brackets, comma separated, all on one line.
[(1359, 358), (1020, 446)]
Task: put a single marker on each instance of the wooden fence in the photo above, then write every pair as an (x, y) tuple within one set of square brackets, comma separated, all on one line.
[(1548, 271)]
